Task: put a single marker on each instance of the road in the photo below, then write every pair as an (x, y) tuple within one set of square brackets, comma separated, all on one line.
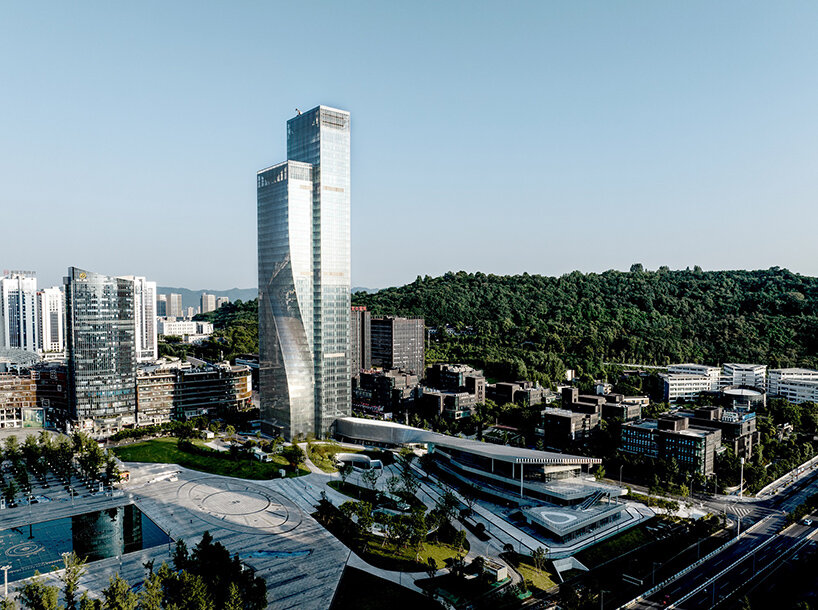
[(761, 548)]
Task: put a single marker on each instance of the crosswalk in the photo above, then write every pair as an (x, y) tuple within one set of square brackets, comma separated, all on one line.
[(739, 511)]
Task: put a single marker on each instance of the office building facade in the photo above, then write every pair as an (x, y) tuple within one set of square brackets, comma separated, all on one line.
[(304, 281), (18, 311), (101, 347), (360, 340), (398, 343), (144, 294)]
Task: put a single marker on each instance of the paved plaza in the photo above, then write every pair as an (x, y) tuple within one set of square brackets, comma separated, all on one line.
[(300, 562)]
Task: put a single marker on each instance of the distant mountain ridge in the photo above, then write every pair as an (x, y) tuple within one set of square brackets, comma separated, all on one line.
[(192, 298)]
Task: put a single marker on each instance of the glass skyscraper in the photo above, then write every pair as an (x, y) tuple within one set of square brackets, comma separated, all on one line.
[(304, 277), (101, 345)]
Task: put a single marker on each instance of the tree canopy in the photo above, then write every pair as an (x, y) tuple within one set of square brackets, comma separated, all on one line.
[(533, 326)]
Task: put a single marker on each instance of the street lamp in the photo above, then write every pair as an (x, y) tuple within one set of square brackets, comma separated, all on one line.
[(5, 569), (741, 484)]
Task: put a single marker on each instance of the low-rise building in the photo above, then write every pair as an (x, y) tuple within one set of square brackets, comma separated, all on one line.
[(165, 394), (563, 428), (672, 437), (685, 387), (738, 427), (51, 379), (453, 390), (523, 393), (384, 393), (451, 405), (549, 488), (18, 401), (190, 330), (794, 384), (747, 375)]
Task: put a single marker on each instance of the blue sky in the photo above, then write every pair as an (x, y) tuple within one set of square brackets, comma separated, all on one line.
[(501, 137)]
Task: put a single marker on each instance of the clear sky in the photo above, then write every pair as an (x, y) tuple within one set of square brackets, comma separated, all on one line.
[(501, 137)]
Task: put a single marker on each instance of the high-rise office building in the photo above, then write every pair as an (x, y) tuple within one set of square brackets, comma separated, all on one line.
[(51, 308), (398, 343), (161, 305), (360, 340), (101, 346), (144, 318), (18, 311), (208, 302), (304, 289), (174, 305)]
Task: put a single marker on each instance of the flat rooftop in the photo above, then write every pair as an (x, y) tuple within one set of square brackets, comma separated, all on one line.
[(379, 431)]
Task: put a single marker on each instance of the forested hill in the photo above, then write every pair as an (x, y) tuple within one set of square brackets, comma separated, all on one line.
[(539, 323)]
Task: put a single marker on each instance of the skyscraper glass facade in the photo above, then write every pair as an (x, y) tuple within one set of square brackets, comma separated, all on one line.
[(304, 275), (101, 345)]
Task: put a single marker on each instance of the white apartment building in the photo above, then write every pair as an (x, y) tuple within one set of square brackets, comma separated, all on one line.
[(681, 386), (753, 375), (787, 383), (798, 390), (51, 312), (144, 318), (18, 311), (183, 328), (221, 301), (711, 373)]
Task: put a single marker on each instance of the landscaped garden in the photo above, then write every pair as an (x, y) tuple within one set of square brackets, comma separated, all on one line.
[(536, 576), (323, 454), (197, 456), (395, 542)]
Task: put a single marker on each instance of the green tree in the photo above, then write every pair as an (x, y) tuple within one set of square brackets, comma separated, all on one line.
[(539, 557), (118, 595), (294, 456), (36, 595), (370, 477), (74, 568), (181, 556), (150, 598), (234, 601)]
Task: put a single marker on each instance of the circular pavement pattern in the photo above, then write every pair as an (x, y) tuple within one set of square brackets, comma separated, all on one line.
[(24, 549), (239, 506)]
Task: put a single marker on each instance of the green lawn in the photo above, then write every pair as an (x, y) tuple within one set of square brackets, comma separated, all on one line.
[(539, 579), (377, 551), (323, 455), (165, 451), (389, 557)]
